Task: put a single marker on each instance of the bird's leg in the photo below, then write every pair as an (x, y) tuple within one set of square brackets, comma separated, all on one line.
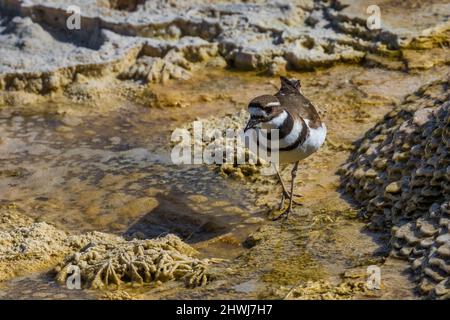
[(281, 180), (293, 175), (285, 194), (281, 206), (286, 213)]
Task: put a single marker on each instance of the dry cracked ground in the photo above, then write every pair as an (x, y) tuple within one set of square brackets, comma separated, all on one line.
[(86, 181)]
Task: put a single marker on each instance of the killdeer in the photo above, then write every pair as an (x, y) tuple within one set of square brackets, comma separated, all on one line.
[(300, 130)]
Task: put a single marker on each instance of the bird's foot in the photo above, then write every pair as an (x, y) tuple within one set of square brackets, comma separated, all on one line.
[(287, 194), (285, 212), (284, 215)]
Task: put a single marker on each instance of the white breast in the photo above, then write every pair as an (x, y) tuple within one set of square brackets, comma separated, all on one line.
[(314, 140), (276, 122), (316, 137)]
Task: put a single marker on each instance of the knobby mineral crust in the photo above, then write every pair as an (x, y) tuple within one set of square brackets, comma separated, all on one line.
[(103, 259), (222, 142), (136, 262), (160, 40), (29, 246), (400, 174)]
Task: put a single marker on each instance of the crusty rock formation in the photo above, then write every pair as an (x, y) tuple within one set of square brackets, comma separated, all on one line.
[(324, 290), (228, 148), (152, 41), (27, 64), (29, 246), (103, 259), (174, 62), (400, 175), (137, 261), (396, 27), (250, 35)]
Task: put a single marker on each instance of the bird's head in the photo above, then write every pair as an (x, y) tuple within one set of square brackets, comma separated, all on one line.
[(262, 109), (289, 86)]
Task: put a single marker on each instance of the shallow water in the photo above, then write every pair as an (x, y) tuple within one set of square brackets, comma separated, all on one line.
[(112, 173)]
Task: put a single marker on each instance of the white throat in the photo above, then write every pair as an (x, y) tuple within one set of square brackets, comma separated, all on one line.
[(276, 122)]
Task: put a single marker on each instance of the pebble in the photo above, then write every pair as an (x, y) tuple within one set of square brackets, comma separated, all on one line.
[(63, 129), (71, 121), (220, 203), (254, 220), (198, 198), (115, 140), (394, 187), (443, 239)]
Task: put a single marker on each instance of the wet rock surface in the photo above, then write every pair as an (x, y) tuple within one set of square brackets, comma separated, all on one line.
[(399, 174)]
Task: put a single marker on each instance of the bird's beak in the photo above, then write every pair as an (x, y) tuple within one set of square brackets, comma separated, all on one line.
[(252, 122)]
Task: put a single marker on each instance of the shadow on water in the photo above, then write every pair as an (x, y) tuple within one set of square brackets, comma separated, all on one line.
[(172, 215)]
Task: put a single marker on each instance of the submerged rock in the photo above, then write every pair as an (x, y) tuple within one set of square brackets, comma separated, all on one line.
[(324, 290), (408, 189)]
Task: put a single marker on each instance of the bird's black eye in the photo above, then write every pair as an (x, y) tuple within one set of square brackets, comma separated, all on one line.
[(268, 109)]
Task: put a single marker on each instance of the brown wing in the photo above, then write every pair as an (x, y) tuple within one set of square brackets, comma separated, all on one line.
[(298, 104)]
